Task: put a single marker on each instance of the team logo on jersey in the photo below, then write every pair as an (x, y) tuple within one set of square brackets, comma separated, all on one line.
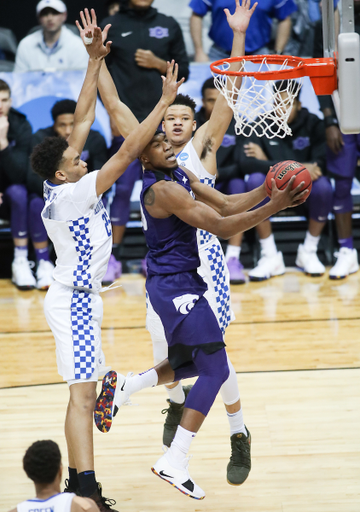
[(183, 156), (85, 155), (185, 303), (159, 32), (301, 143), (228, 140)]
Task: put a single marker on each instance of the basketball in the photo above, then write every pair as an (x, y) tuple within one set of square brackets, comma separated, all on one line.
[(283, 171)]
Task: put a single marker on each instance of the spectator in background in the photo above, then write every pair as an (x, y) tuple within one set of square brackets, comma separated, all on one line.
[(112, 7), (229, 178), (341, 160), (94, 154), (15, 148), (306, 145), (42, 464), (136, 69), (258, 36), (55, 47)]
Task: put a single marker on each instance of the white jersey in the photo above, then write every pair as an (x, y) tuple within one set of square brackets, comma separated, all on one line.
[(189, 159), (58, 503), (80, 229)]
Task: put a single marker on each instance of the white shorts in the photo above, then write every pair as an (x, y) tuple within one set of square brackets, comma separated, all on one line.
[(214, 271), (74, 318)]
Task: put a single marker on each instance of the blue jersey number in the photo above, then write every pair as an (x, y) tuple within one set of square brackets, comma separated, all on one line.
[(107, 223)]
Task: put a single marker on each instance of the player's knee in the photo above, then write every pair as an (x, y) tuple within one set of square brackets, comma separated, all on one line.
[(342, 188), (255, 180), (36, 205), (160, 350), (83, 397), (17, 195)]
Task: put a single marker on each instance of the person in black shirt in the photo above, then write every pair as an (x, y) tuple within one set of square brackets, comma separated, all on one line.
[(305, 145)]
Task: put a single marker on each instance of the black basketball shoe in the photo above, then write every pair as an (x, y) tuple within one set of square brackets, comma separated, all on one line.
[(173, 418), (239, 466)]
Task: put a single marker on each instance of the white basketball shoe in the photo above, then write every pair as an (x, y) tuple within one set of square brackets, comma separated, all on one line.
[(178, 476), (347, 263), (44, 274), (22, 276), (268, 266), (309, 262)]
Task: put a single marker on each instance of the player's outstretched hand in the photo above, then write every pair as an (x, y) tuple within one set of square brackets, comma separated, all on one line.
[(95, 48), (288, 197), (239, 21), (170, 83)]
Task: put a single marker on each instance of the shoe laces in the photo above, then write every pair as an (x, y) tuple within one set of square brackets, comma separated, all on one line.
[(240, 451), (107, 502)]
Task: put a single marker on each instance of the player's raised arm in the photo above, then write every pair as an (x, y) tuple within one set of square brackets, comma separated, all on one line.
[(141, 135), (214, 130), (85, 108)]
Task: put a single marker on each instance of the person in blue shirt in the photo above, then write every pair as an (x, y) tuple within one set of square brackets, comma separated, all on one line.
[(258, 36)]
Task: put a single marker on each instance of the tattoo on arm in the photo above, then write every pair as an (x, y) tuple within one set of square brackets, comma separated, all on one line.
[(149, 198), (207, 147)]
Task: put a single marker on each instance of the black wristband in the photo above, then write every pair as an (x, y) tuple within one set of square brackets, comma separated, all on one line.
[(330, 121)]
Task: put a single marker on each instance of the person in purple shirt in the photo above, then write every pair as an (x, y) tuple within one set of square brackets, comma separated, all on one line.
[(174, 203), (258, 35)]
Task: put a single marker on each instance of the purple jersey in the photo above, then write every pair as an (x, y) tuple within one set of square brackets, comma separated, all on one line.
[(172, 243)]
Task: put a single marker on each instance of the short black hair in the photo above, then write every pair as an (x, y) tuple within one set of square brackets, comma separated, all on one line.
[(4, 86), (63, 107), (46, 156), (208, 84), (186, 101), (285, 85), (42, 461)]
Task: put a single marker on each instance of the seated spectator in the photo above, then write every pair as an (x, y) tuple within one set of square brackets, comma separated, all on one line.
[(15, 148), (143, 40), (229, 178), (112, 7), (341, 159), (42, 464), (53, 48), (94, 153), (258, 35), (305, 145)]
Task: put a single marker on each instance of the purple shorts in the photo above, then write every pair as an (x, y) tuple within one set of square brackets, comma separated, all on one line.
[(344, 163)]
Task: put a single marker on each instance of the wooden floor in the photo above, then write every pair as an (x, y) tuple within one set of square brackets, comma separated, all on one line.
[(295, 345)]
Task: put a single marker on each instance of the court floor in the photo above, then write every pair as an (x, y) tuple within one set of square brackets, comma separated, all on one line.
[(296, 350)]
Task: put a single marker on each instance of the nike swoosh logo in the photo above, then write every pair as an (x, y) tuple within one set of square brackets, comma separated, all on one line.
[(164, 474), (124, 34), (335, 208), (122, 387), (22, 233)]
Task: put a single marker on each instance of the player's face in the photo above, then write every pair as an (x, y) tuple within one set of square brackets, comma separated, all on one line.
[(73, 167), (140, 4), (179, 124), (63, 125), (208, 101), (159, 154), (5, 103), (283, 98), (51, 20)]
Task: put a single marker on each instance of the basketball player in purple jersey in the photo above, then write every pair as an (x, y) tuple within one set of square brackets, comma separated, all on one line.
[(79, 227), (198, 154), (177, 292)]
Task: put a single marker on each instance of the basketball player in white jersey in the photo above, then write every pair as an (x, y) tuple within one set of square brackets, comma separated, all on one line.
[(79, 227), (42, 464), (198, 154)]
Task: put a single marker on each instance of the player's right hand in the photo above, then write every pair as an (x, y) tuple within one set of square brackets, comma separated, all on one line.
[(289, 197)]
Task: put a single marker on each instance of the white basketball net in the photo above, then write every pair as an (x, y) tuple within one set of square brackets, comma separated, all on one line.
[(258, 106)]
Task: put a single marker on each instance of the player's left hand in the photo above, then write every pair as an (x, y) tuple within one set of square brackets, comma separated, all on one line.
[(88, 30), (239, 21), (146, 59)]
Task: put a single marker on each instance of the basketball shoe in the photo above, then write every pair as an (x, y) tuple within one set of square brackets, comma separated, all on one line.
[(347, 263), (309, 262), (268, 266), (103, 503), (113, 271), (44, 275), (68, 488), (173, 418), (22, 276), (177, 475), (236, 271), (114, 393), (239, 466)]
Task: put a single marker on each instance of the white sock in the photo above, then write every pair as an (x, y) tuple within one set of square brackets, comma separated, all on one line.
[(232, 251), (176, 394), (181, 444), (144, 380), (236, 422), (268, 246), (20, 252), (311, 242)]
